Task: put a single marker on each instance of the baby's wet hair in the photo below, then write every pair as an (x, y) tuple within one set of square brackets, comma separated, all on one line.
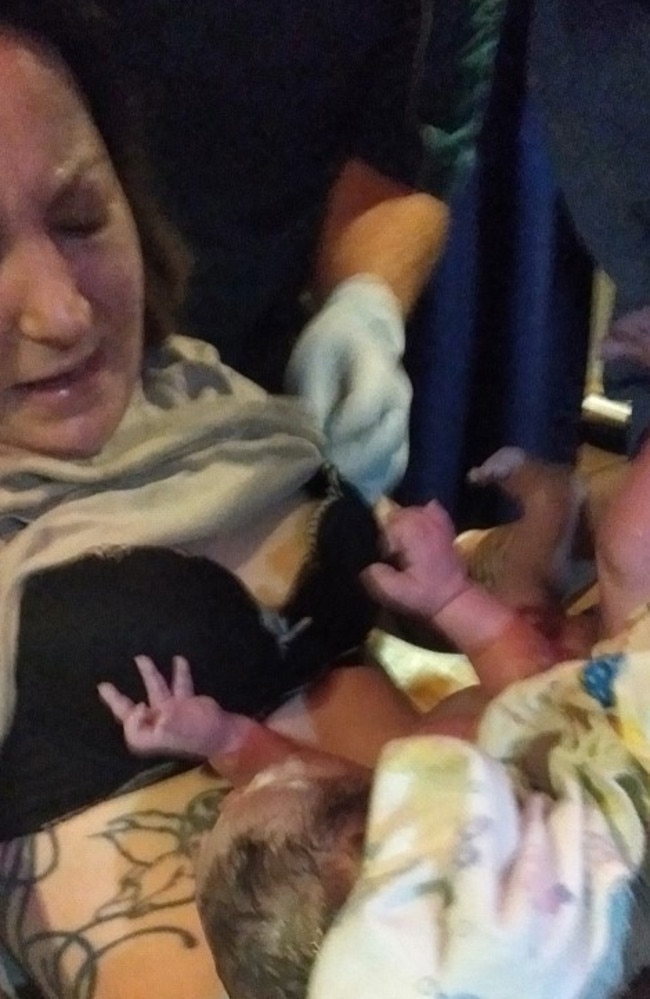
[(267, 902)]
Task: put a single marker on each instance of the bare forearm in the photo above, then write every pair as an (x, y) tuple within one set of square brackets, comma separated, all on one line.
[(502, 645), (377, 226), (247, 748), (244, 747), (623, 546)]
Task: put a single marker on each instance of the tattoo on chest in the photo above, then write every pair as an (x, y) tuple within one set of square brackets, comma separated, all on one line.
[(153, 853)]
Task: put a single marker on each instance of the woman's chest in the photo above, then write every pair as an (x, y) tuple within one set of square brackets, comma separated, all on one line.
[(268, 555)]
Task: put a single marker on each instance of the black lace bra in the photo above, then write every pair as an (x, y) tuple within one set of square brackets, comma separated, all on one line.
[(84, 621)]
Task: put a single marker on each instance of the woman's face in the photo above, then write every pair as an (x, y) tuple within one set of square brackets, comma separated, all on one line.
[(71, 275)]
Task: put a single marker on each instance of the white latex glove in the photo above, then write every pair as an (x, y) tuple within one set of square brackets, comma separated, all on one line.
[(347, 367)]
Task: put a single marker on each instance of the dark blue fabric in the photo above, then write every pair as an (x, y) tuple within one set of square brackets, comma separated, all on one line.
[(498, 352), (440, 361), (590, 66)]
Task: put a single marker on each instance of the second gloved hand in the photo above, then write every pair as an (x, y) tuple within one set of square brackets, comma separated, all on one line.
[(347, 367)]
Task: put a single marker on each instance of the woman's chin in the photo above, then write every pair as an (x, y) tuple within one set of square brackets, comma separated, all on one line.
[(83, 436)]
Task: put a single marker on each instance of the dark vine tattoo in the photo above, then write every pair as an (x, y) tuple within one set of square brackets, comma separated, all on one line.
[(66, 963)]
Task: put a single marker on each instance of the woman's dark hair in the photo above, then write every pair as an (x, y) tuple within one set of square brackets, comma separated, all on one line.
[(84, 35)]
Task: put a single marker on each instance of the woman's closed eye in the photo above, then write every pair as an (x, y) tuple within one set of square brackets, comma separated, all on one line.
[(83, 207), (82, 219), (81, 224)]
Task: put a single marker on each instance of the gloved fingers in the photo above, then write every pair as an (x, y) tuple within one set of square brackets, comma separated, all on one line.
[(328, 371), (383, 479), (374, 461), (350, 350), (350, 396), (372, 449), (316, 374), (379, 394)]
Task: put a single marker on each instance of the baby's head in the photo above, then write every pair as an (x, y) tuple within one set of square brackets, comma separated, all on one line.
[(275, 871)]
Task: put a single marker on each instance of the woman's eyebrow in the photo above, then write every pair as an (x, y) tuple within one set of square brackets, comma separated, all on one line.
[(68, 176)]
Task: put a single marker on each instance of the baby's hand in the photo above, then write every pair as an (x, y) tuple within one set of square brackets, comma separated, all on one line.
[(629, 338), (175, 720), (427, 572)]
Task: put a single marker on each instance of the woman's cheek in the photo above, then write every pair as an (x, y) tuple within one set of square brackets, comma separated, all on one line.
[(111, 277)]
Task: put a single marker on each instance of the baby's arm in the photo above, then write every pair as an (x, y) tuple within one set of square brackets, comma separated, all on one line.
[(623, 547), (177, 722), (427, 579), (623, 531)]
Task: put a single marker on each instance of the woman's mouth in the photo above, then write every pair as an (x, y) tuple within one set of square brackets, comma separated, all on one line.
[(66, 382)]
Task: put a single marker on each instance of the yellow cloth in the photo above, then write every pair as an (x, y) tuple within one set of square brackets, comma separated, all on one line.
[(426, 676)]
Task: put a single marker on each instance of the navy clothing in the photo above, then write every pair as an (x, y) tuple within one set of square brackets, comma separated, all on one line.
[(251, 109), (84, 621), (590, 69)]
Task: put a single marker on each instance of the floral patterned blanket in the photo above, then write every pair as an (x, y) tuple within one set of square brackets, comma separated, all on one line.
[(508, 866)]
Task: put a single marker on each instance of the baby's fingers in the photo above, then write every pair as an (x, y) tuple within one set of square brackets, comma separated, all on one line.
[(154, 682), (119, 704), (141, 730), (182, 683), (383, 582)]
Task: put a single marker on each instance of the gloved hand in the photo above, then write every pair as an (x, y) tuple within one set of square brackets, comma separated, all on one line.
[(347, 367)]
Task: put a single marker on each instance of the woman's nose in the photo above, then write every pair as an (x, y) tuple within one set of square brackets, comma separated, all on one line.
[(40, 298)]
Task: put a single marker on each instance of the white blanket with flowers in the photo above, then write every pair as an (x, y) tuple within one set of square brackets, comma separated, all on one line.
[(506, 869)]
